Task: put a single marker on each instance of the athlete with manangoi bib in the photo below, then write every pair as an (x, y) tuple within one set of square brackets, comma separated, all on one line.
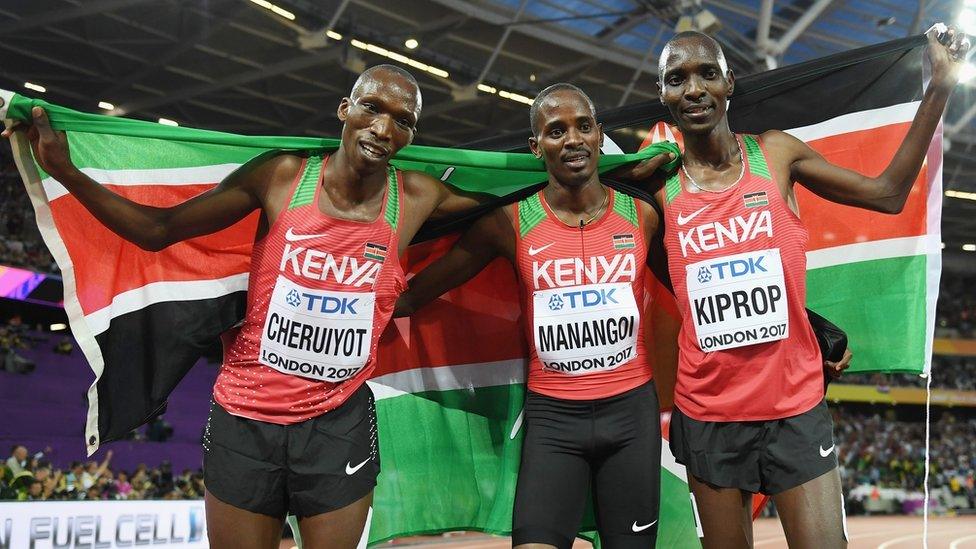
[(749, 414), (579, 249), (292, 428)]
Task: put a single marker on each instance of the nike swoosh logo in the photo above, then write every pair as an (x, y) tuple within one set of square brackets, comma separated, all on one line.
[(682, 219), (533, 251), (637, 528), (292, 237), (350, 470), (825, 453)]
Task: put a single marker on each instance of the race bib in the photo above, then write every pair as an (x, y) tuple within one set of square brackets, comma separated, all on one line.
[(585, 329), (321, 334), (738, 300)]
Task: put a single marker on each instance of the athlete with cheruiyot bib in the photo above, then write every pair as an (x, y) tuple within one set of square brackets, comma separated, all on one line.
[(292, 428), (749, 413), (591, 413)]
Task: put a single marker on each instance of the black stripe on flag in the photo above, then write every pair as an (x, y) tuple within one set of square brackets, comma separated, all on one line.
[(147, 352)]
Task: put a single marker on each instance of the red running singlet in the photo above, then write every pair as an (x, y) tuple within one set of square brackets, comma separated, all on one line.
[(583, 293), (737, 260), (320, 293)]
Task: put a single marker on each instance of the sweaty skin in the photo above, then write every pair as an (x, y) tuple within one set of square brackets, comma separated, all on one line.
[(695, 85), (379, 119)]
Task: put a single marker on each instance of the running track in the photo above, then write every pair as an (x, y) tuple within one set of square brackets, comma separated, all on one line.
[(866, 533)]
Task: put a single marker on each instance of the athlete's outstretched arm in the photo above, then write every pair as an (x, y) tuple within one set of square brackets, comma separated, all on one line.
[(888, 191), (488, 238), (149, 227)]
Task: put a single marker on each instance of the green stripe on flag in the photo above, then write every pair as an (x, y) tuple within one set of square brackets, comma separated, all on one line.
[(449, 462), (882, 300), (495, 173)]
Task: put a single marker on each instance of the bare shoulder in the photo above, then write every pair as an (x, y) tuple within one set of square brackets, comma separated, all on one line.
[(417, 184), (269, 170), (784, 146)]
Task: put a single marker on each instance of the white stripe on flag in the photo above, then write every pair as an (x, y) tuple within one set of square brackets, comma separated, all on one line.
[(474, 376), (6, 97), (156, 292), (857, 121), (449, 378), (933, 262), (879, 249), (128, 178)]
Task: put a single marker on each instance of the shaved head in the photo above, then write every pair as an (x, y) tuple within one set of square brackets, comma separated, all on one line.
[(692, 39), (544, 95), (372, 77)]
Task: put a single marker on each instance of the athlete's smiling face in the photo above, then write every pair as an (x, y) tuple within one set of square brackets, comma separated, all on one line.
[(567, 137), (379, 118), (695, 83)]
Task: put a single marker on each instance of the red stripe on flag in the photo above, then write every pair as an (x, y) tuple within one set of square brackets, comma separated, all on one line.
[(867, 152), (95, 251), (478, 322)]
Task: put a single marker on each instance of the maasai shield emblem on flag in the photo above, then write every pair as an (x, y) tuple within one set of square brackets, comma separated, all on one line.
[(449, 385)]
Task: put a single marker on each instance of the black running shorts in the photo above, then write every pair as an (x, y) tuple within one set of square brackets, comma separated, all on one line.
[(305, 469), (766, 457), (612, 446)]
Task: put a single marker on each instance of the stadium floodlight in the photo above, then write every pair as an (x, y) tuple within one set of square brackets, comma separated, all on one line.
[(106, 106), (967, 20), (517, 97), (277, 10), (333, 35), (961, 194), (969, 247), (35, 87), (168, 122), (58, 327), (411, 43), (399, 57), (487, 89)]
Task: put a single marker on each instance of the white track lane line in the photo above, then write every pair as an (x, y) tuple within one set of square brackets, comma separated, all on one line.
[(958, 541), (891, 542)]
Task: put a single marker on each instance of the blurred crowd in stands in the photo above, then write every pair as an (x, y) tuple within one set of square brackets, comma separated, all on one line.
[(33, 477), (20, 240), (877, 450)]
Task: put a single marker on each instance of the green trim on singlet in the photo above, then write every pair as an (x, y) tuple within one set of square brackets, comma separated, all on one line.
[(531, 213), (625, 207), (305, 191), (392, 200), (757, 162), (672, 187)]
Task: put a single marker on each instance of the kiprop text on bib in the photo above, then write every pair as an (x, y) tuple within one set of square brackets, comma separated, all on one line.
[(585, 329), (738, 300), (320, 334)]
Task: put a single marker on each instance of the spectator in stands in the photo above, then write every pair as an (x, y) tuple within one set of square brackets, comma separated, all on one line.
[(93, 471), (73, 479), (64, 346), (35, 492), (6, 477), (122, 485), (17, 462)]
